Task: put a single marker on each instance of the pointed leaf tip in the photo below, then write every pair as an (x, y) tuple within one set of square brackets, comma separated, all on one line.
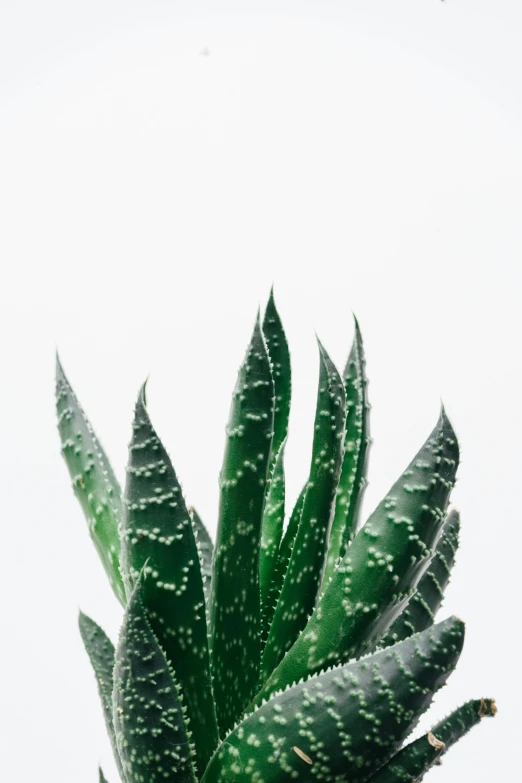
[(59, 368), (154, 517), (448, 431), (94, 482), (142, 394)]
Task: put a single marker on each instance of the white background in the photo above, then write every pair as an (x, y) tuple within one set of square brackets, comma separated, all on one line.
[(360, 156)]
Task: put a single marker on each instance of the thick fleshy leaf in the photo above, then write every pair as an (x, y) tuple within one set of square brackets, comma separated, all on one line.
[(348, 720), (304, 571), (206, 547), (411, 763), (272, 529), (93, 479), (100, 650), (381, 568), (352, 481), (103, 779), (281, 372), (150, 720), (281, 564), (235, 604), (422, 608), (158, 538)]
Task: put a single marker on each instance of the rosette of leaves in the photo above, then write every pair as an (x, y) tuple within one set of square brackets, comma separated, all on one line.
[(306, 651)]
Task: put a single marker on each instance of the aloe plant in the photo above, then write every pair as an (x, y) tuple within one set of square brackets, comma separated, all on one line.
[(306, 652)]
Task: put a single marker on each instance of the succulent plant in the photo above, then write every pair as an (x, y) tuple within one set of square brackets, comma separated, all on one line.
[(306, 652)]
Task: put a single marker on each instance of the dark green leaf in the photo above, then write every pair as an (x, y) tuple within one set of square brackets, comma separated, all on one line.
[(150, 720), (235, 605), (280, 359), (206, 548), (272, 528), (158, 537), (353, 474), (281, 564), (381, 568), (302, 578), (411, 763), (348, 720), (422, 608)]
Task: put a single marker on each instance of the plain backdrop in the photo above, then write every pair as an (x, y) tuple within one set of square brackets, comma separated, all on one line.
[(161, 165)]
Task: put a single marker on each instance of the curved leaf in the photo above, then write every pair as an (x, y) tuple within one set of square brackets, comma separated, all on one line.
[(272, 528), (206, 547), (303, 575), (100, 650), (352, 481), (281, 372), (411, 763), (348, 720), (381, 568), (103, 779), (235, 603), (150, 720), (93, 480), (422, 608), (158, 537), (281, 564)]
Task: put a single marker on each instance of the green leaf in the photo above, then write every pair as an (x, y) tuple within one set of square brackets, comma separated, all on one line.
[(281, 372), (381, 568), (281, 564), (422, 608), (356, 442), (158, 538), (346, 721), (411, 763), (235, 604), (103, 779), (274, 513), (287, 543), (150, 720), (93, 480), (206, 547), (302, 578), (100, 650), (272, 527)]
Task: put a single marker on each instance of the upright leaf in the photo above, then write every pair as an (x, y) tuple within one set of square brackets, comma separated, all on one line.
[(422, 608), (304, 571), (158, 538), (274, 513), (381, 568), (103, 779), (235, 605), (100, 650), (206, 547), (411, 763), (150, 720), (353, 473), (272, 528), (281, 565), (346, 721), (280, 359), (93, 480)]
